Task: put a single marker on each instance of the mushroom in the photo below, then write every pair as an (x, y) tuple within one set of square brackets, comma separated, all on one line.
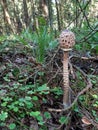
[(66, 40)]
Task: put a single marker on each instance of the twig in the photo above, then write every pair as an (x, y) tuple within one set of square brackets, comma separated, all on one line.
[(53, 56), (82, 10), (53, 76), (78, 14), (84, 57), (89, 35), (71, 70)]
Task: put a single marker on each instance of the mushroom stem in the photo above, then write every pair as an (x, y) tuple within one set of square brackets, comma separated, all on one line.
[(66, 96)]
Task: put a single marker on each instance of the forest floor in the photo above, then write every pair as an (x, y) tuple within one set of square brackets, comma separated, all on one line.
[(22, 77)]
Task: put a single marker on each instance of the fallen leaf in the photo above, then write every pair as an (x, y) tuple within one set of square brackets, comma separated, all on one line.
[(85, 120)]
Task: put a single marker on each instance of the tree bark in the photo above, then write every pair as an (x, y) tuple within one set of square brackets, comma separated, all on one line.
[(7, 18), (44, 8), (26, 16), (58, 17), (17, 21), (50, 18)]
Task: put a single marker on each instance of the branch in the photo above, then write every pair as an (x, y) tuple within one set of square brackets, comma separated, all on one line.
[(82, 10), (78, 14)]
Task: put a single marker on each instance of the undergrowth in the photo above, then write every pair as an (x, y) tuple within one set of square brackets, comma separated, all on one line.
[(28, 87)]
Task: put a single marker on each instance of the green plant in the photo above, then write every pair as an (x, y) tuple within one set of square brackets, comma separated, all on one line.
[(47, 115), (94, 113), (2, 38), (40, 42), (63, 120), (22, 101), (89, 40), (3, 115), (12, 126), (44, 39), (37, 115), (57, 91)]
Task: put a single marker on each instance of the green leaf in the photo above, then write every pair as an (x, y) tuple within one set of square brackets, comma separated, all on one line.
[(2, 38), (12, 126), (35, 98), (35, 114), (95, 96), (2, 124), (41, 122), (43, 88), (41, 73), (57, 90), (6, 79), (29, 104), (39, 118), (7, 99), (4, 104), (30, 92), (21, 100), (21, 104), (15, 109), (47, 115), (3, 115), (63, 120), (76, 109), (94, 113), (28, 98)]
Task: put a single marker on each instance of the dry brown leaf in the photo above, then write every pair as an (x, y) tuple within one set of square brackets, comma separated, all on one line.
[(85, 120)]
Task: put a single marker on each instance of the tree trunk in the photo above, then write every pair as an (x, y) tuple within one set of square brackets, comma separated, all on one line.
[(58, 17), (43, 8), (7, 18), (17, 21), (50, 19), (26, 16)]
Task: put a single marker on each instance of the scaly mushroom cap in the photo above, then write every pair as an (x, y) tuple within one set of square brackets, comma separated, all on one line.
[(67, 39)]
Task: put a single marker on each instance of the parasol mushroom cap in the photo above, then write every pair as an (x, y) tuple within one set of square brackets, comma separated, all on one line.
[(67, 40)]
